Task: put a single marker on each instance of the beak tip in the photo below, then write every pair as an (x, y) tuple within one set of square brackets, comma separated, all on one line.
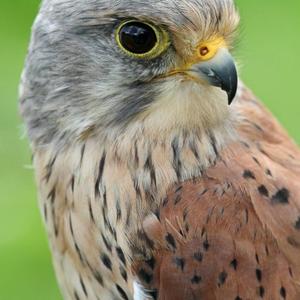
[(221, 72), (231, 95), (230, 100)]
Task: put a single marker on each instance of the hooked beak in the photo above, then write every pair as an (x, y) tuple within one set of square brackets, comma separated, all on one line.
[(219, 71)]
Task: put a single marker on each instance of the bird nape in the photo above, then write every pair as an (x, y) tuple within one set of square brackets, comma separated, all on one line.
[(160, 176)]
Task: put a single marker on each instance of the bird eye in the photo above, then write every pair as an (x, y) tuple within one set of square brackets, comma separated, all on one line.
[(141, 40)]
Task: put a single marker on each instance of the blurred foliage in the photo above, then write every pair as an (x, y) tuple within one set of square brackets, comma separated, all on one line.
[(268, 51)]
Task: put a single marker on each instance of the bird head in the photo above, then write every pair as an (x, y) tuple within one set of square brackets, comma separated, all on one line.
[(103, 67)]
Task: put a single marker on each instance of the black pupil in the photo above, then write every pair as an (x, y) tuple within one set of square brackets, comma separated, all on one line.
[(138, 38)]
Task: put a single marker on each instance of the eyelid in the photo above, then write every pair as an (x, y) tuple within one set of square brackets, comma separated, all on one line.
[(163, 40)]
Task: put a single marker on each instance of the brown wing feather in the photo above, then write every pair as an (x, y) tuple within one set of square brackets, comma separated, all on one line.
[(234, 233)]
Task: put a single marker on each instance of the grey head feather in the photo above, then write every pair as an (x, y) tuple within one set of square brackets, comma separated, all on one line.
[(76, 77)]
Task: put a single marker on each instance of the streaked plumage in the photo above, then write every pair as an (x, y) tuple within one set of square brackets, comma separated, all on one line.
[(234, 233), (150, 184)]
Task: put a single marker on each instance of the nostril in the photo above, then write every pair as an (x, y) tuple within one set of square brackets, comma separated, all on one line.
[(204, 51)]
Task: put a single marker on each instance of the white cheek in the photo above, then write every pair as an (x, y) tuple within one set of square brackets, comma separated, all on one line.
[(184, 104)]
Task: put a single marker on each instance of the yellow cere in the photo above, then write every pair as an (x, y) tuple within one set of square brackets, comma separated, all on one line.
[(207, 50), (204, 51)]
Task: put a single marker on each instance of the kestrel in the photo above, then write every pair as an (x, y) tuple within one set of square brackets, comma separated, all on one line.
[(160, 175)]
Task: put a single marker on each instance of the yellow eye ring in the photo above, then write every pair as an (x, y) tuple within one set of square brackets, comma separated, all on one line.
[(141, 39)]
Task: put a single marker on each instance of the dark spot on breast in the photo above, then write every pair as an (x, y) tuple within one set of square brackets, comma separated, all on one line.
[(170, 240), (151, 262), (263, 191), (292, 241), (297, 224), (193, 147), (71, 225), (100, 174), (291, 272), (52, 194), (261, 291), (72, 183), (137, 189), (179, 262), (187, 227), (257, 258), (104, 200), (78, 252), (248, 174), (157, 214), (83, 287), (281, 197), (256, 160), (106, 261), (292, 156), (222, 210), (82, 154), (123, 273), (185, 214), (91, 211), (136, 155), (45, 212), (196, 279), (153, 294), (245, 144), (144, 237), (106, 243), (119, 212), (145, 276), (98, 277), (213, 142), (222, 277), (76, 295), (234, 264), (49, 168), (202, 193), (267, 250), (165, 201), (179, 189), (177, 199), (206, 245), (238, 298), (150, 167), (203, 231), (121, 255), (198, 256), (283, 292), (257, 127), (268, 172), (258, 274), (122, 292), (176, 157)]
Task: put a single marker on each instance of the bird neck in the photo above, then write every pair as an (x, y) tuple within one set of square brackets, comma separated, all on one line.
[(111, 185), (170, 156)]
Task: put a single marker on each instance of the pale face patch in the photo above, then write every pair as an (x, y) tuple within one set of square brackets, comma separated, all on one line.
[(187, 105)]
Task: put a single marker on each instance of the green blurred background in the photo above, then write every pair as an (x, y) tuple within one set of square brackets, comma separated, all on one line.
[(269, 55)]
